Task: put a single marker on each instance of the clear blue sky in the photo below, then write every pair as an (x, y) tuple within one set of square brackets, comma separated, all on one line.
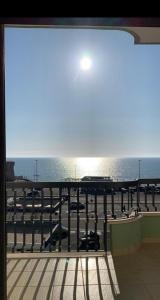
[(53, 108)]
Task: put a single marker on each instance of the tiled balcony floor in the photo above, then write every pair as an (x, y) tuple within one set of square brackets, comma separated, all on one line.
[(49, 276)]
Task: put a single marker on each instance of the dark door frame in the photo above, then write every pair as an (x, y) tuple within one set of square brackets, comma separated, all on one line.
[(41, 22)]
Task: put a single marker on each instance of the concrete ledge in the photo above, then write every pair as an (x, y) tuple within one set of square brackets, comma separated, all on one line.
[(73, 254), (150, 213), (126, 220)]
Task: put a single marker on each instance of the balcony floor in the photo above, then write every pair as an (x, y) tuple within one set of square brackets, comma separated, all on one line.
[(85, 276)]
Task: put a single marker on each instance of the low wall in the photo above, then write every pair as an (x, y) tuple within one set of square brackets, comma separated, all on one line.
[(150, 227), (127, 235)]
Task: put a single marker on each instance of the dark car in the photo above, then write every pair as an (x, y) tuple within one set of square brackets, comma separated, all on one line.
[(90, 241), (74, 205), (123, 190), (153, 191), (33, 193), (38, 189)]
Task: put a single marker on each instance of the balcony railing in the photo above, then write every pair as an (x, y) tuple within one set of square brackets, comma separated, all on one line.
[(66, 216)]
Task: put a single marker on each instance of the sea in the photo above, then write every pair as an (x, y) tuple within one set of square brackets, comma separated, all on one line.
[(74, 168)]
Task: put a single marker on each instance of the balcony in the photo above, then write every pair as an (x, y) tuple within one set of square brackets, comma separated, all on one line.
[(85, 276), (122, 263)]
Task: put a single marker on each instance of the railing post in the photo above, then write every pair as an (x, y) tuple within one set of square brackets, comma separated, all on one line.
[(95, 214), (122, 202), (42, 219), (60, 220), (128, 199), (50, 215), (105, 233), (32, 220), (14, 222), (153, 198), (23, 220), (69, 219), (3, 286), (145, 195), (87, 219), (78, 219), (131, 198), (112, 201), (138, 196)]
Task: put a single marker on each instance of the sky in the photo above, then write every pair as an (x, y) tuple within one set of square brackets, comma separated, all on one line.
[(54, 108)]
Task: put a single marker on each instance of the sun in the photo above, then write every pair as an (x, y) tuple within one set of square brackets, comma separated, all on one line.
[(85, 63)]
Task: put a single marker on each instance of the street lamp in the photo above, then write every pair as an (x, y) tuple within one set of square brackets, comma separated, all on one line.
[(139, 163)]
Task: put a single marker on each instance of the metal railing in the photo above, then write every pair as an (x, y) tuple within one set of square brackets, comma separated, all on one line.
[(66, 216)]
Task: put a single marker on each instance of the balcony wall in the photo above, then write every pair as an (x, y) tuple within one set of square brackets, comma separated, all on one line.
[(128, 235), (150, 227)]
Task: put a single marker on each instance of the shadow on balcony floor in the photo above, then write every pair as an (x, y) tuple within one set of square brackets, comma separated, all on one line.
[(75, 276)]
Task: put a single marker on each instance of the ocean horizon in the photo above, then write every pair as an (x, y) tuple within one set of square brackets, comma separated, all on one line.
[(63, 168)]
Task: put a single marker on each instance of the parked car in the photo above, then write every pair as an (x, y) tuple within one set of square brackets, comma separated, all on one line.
[(90, 241), (33, 193), (152, 190), (38, 189), (123, 190), (97, 191), (74, 205)]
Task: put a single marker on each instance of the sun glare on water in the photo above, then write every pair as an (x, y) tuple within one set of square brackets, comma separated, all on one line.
[(88, 165)]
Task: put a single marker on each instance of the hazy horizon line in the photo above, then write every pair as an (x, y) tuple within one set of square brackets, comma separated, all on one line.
[(36, 157)]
